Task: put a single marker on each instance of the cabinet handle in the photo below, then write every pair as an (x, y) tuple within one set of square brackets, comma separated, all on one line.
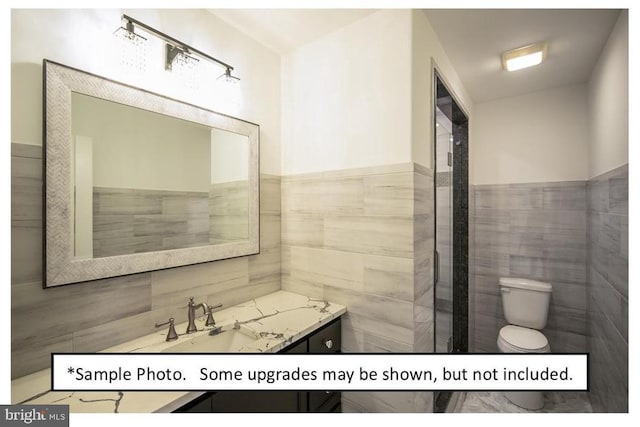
[(328, 344)]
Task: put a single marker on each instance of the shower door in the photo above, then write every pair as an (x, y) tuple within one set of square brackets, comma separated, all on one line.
[(451, 188), (444, 233)]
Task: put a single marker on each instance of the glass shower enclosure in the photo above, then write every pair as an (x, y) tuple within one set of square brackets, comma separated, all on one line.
[(451, 186)]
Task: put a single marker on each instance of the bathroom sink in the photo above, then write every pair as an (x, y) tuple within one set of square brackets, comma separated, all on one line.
[(230, 340)]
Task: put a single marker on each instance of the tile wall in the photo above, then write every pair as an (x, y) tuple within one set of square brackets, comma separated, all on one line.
[(537, 231), (95, 315), (229, 210), (364, 238), (574, 235), (129, 221), (608, 290)]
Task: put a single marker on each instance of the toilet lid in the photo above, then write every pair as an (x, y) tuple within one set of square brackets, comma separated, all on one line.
[(524, 338)]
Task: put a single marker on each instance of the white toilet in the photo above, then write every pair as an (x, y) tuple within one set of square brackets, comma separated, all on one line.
[(525, 304)]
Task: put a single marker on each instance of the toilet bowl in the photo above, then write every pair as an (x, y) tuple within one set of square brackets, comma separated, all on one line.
[(526, 304), (516, 339)]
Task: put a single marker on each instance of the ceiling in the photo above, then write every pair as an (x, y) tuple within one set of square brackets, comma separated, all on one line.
[(283, 30), (475, 38), (472, 38)]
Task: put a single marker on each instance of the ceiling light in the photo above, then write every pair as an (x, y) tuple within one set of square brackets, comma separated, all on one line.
[(524, 57)]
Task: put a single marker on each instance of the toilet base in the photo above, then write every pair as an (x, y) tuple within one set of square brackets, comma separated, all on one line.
[(531, 400)]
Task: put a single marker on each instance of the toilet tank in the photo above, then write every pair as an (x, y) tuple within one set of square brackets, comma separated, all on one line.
[(525, 302)]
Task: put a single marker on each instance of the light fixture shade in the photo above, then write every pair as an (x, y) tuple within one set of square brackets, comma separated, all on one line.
[(132, 47), (524, 57), (228, 78), (178, 58), (185, 68)]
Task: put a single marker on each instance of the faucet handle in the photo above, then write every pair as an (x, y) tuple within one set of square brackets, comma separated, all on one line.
[(210, 321), (171, 335)]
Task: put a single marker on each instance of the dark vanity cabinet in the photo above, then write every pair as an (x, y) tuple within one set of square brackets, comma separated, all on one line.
[(325, 340)]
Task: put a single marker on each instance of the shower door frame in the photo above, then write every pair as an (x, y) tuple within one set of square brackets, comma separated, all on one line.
[(459, 220)]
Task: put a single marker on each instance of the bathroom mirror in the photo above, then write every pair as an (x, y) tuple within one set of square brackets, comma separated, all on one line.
[(137, 182)]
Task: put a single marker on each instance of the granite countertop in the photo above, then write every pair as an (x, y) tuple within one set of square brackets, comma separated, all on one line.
[(275, 320)]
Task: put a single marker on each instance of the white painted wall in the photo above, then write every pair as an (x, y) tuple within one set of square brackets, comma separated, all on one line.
[(425, 48), (82, 38), (229, 157), (537, 137), (346, 97), (361, 96), (83, 192), (609, 103), (134, 148)]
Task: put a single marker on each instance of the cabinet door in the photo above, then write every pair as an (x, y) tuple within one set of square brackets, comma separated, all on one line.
[(255, 401), (326, 340)]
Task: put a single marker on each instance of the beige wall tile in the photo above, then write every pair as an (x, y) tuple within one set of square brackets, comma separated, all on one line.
[(371, 170), (389, 276), (265, 267), (302, 287), (124, 329), (389, 194), (332, 196), (60, 310), (285, 260), (26, 188), (270, 194), (378, 327), (423, 328), (26, 251), (238, 295), (99, 314), (389, 236), (382, 309), (302, 197), (327, 267), (270, 232), (173, 287), (302, 229), (26, 150), (341, 196), (423, 194), (358, 341), (34, 354)]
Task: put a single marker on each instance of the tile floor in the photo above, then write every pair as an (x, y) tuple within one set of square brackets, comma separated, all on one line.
[(485, 401)]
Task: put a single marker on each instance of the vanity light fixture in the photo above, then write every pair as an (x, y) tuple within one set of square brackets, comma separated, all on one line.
[(177, 53), (524, 57)]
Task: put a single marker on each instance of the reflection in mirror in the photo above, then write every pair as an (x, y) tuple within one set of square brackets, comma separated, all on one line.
[(148, 182)]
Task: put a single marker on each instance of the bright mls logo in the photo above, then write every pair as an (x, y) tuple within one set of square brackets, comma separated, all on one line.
[(36, 415)]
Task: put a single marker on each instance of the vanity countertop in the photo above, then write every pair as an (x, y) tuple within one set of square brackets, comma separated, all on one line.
[(277, 319)]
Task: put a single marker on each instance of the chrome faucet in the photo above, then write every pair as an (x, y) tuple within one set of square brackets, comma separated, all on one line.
[(191, 314)]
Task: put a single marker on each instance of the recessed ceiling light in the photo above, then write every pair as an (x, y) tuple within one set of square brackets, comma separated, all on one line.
[(524, 57)]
